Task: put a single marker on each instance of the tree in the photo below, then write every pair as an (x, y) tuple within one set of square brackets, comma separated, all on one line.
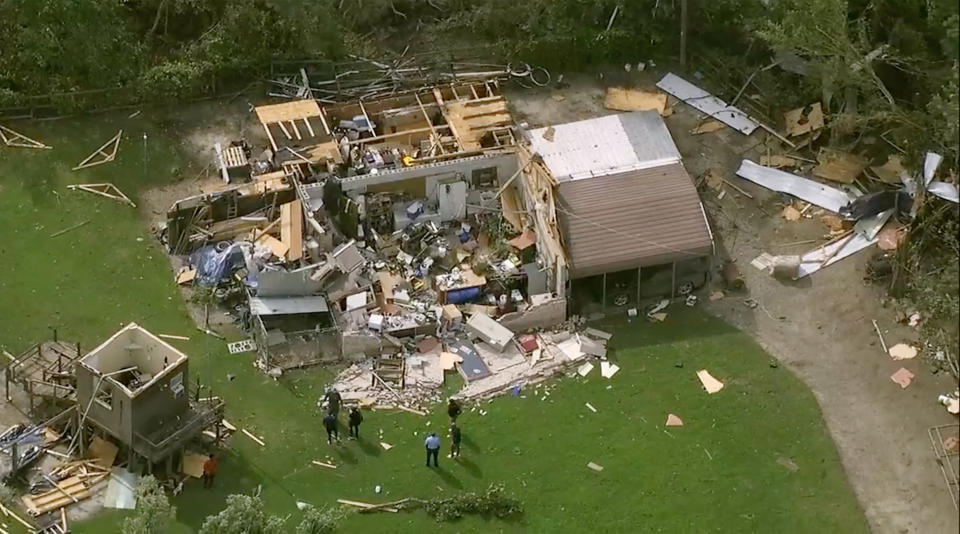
[(319, 520), (154, 513), (243, 515)]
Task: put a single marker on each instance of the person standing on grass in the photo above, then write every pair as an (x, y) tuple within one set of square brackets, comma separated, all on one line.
[(330, 423), (333, 401), (209, 471), (453, 409), (433, 449), (355, 419), (455, 437)]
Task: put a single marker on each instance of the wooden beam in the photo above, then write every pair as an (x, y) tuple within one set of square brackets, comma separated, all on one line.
[(433, 131), (369, 122), (309, 126), (284, 130), (397, 134), (102, 151), (270, 137), (296, 130)]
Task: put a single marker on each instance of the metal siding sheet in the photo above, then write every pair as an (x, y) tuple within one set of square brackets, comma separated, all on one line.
[(632, 219), (287, 306), (698, 98)]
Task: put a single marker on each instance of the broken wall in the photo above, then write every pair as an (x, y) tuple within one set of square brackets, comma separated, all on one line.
[(545, 315)]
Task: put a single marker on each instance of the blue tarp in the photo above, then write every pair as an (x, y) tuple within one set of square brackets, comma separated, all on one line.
[(213, 266)]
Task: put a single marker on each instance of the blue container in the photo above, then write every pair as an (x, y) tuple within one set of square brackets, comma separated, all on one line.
[(459, 296)]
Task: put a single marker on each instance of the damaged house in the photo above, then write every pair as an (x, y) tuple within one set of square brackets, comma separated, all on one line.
[(428, 213), (134, 389)]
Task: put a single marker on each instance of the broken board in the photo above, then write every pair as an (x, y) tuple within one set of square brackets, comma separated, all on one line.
[(838, 166), (103, 452), (192, 464), (291, 229)]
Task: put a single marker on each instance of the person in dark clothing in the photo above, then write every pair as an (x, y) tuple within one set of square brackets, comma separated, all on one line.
[(333, 401), (433, 448), (209, 471), (455, 437), (453, 409), (330, 423), (355, 419)]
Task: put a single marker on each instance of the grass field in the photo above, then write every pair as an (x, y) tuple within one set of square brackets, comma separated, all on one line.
[(719, 472)]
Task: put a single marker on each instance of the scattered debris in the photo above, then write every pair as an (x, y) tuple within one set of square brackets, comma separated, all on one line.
[(883, 344), (903, 377), (70, 229), (891, 171), (790, 213), (105, 190), (804, 120), (708, 127), (106, 154), (891, 237), (386, 446), (250, 435), (832, 252), (171, 336), (673, 420), (716, 295), (607, 369), (585, 369), (777, 161), (590, 406), (788, 463), (838, 166), (711, 384), (323, 464), (902, 351), (245, 345), (595, 467)]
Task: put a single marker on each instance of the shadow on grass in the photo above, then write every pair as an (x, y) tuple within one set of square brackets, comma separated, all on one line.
[(368, 447), (236, 476), (471, 468), (345, 454), (469, 443), (682, 324), (447, 477)]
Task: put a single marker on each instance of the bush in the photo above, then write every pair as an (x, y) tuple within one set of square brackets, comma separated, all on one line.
[(154, 513), (493, 502), (243, 515), (319, 520)]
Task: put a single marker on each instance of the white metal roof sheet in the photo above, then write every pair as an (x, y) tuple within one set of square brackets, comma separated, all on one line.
[(606, 145)]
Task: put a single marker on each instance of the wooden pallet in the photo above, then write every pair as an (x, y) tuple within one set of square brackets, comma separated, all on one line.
[(68, 491)]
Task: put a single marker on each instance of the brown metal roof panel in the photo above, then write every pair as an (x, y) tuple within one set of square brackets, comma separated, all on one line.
[(641, 217)]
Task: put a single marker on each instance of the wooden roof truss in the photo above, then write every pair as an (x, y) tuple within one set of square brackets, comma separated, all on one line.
[(106, 153), (16, 139), (105, 190)]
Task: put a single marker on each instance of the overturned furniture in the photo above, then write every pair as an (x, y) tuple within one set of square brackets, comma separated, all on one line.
[(133, 387)]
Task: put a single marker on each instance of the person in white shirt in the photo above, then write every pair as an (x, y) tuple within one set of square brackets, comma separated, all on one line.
[(433, 448)]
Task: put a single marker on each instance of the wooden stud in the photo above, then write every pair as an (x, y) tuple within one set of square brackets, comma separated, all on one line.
[(296, 130), (284, 130), (306, 120)]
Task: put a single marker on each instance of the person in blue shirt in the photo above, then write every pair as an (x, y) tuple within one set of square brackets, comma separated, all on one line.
[(433, 449)]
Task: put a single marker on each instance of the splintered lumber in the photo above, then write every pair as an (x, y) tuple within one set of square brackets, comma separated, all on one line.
[(107, 153), (368, 506), (16, 139), (10, 513), (74, 227), (254, 438), (105, 190), (323, 464), (70, 490), (291, 229)]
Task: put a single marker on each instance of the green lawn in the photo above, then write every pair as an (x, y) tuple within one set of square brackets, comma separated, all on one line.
[(719, 472)]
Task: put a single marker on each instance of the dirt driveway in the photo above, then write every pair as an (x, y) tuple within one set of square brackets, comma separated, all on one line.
[(820, 327)]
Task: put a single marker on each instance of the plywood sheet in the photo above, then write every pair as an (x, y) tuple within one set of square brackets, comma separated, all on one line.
[(276, 246), (192, 464), (622, 99), (838, 166), (103, 452), (287, 111)]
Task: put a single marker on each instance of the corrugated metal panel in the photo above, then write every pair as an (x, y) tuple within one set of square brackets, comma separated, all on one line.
[(606, 145), (632, 219), (707, 103)]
